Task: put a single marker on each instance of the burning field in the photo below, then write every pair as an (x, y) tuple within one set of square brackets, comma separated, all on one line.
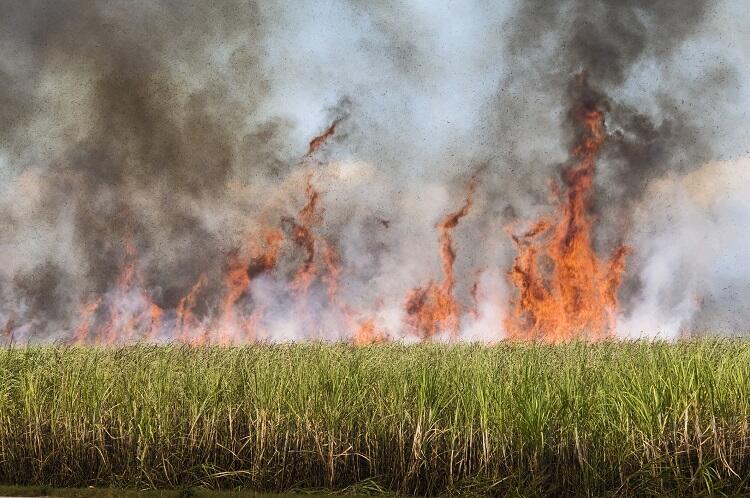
[(251, 244), (233, 175)]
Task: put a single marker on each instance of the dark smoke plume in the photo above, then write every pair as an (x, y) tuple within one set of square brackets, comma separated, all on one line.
[(183, 128), (613, 42)]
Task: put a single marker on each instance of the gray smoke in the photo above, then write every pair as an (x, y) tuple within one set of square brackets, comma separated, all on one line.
[(182, 128)]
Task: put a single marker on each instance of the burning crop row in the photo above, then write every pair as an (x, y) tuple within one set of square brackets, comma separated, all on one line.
[(563, 289), (223, 225), (258, 172)]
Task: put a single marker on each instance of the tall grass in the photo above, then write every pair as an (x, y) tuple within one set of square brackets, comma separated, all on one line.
[(607, 418)]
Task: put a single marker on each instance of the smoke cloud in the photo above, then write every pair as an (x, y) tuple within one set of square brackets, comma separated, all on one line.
[(148, 149)]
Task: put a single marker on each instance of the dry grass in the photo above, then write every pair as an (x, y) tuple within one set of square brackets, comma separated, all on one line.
[(47, 492), (608, 418)]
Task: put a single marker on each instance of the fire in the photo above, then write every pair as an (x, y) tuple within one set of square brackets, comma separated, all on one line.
[(186, 321), (318, 142), (363, 328), (133, 312), (237, 277), (433, 308), (86, 314), (304, 238), (128, 313), (565, 290), (367, 333), (236, 283)]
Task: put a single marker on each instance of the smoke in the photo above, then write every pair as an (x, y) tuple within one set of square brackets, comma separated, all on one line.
[(649, 68), (182, 128), (691, 233)]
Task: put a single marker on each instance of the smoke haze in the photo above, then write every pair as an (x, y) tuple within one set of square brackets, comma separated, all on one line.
[(170, 136)]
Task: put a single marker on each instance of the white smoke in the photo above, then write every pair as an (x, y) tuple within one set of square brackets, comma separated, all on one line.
[(428, 93), (691, 251)]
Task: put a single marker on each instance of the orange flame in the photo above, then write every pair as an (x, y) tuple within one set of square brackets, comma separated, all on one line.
[(318, 142), (81, 334), (578, 295), (563, 288), (367, 333), (236, 282), (123, 322), (433, 308), (364, 330), (237, 278), (303, 237), (185, 319), (128, 312), (156, 315)]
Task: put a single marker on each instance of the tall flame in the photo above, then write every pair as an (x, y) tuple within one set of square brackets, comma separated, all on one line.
[(186, 321), (433, 308), (565, 290), (304, 238)]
